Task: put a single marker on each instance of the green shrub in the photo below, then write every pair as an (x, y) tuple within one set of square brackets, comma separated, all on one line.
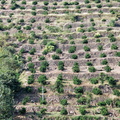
[(107, 68), (116, 92), (117, 54), (63, 111), (59, 77), (89, 64), (87, 55), (103, 55), (104, 111), (34, 2), (100, 47), (42, 58), (31, 67), (43, 101), (33, 13), (28, 89), (78, 90), (42, 79), (46, 2), (85, 41), (74, 56), (87, 1), (75, 67), (102, 103), (72, 49), (97, 91), (61, 65), (25, 100), (32, 51), (58, 51), (22, 50), (94, 80), (82, 100), (29, 59), (82, 111), (104, 62), (40, 90), (22, 111), (114, 47), (86, 48), (99, 6), (47, 20), (91, 69), (31, 79), (55, 57), (76, 80), (63, 102)]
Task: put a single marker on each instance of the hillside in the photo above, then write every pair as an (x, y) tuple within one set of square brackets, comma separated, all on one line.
[(69, 53)]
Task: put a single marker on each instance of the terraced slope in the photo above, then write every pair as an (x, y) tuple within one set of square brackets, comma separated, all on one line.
[(71, 51)]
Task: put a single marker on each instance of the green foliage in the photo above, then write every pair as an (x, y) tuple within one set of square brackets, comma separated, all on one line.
[(76, 80), (34, 2), (97, 91), (74, 56), (63, 102), (41, 58), (82, 100), (75, 67), (31, 67), (117, 54), (107, 68), (46, 2), (91, 69), (58, 51), (103, 55), (87, 55), (116, 92), (86, 48), (102, 103), (43, 66), (100, 47), (72, 49), (114, 47), (40, 90), (43, 101), (78, 90), (30, 79), (94, 80), (104, 111), (104, 62), (61, 65), (22, 111), (42, 79), (25, 100), (82, 111), (89, 64), (32, 51), (55, 57), (63, 111)]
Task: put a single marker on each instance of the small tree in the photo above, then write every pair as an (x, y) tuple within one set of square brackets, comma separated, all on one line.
[(87, 55), (76, 80), (42, 79), (54, 57), (72, 49), (82, 111), (91, 69), (61, 65), (30, 79), (63, 111), (86, 48), (104, 111), (97, 91), (107, 68), (94, 80), (22, 111), (32, 51), (63, 102), (74, 56), (104, 62), (75, 67), (79, 90)]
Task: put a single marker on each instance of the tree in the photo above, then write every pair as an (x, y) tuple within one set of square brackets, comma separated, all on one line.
[(75, 67), (79, 90), (97, 91), (30, 79), (104, 111), (61, 65), (6, 102), (91, 69), (94, 80), (76, 80), (63, 111), (63, 102), (82, 110), (107, 68), (42, 79), (72, 49)]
